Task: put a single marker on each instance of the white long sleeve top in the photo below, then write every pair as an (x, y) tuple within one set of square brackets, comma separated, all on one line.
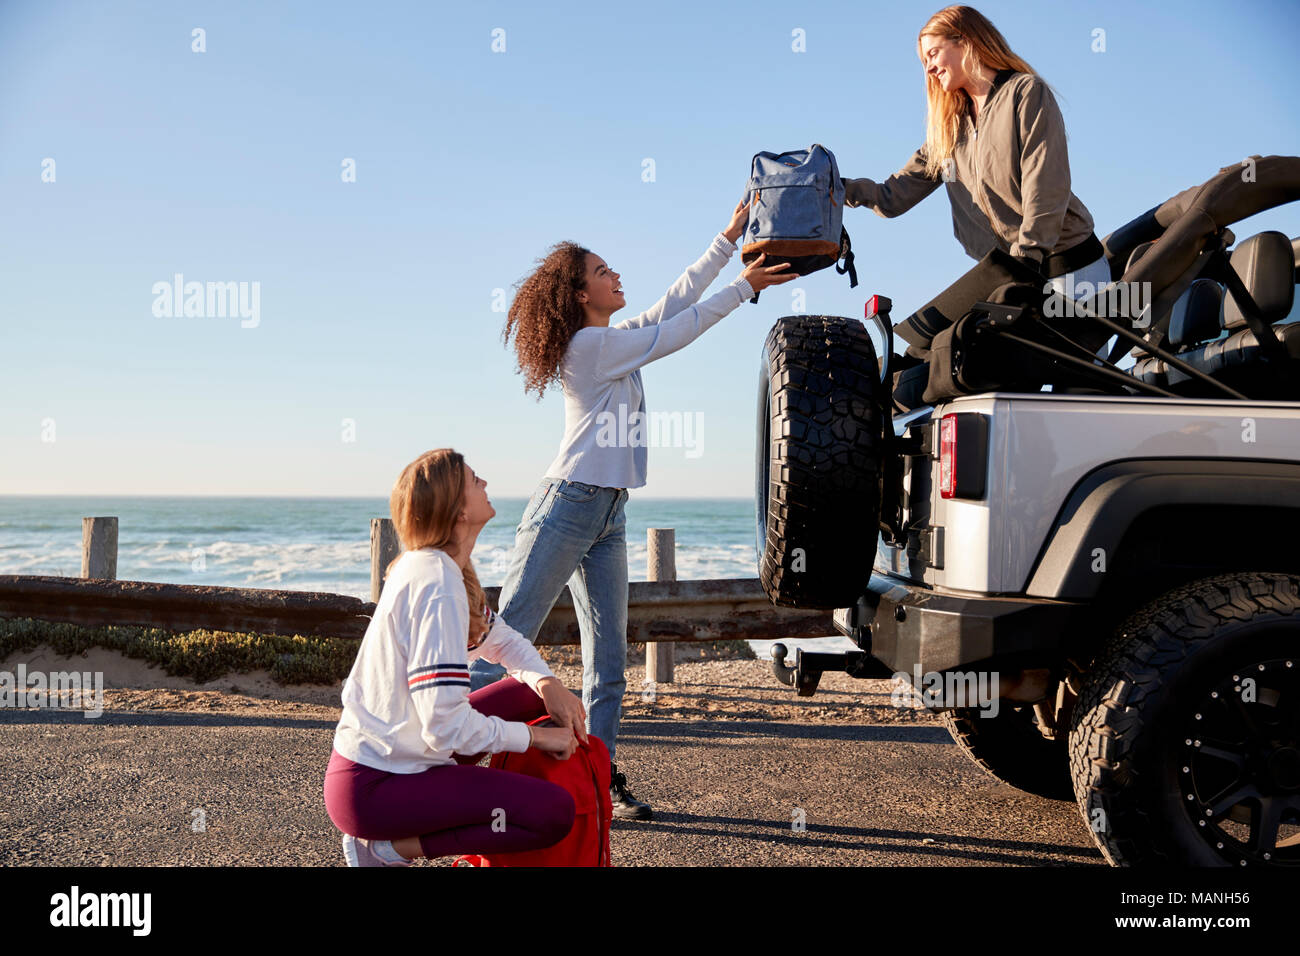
[(601, 374), (406, 702)]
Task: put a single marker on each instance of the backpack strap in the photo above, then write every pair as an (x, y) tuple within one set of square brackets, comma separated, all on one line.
[(846, 253)]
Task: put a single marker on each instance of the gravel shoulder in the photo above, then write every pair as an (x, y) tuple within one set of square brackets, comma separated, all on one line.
[(739, 769)]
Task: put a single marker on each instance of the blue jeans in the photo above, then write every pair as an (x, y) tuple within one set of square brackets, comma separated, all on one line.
[(573, 533)]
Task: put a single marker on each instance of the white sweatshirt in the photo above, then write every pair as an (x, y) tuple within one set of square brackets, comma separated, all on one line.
[(406, 702), (601, 374)]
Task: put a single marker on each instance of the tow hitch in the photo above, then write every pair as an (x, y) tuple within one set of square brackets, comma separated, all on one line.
[(809, 665)]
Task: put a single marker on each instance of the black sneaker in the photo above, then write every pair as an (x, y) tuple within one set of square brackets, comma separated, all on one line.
[(626, 806)]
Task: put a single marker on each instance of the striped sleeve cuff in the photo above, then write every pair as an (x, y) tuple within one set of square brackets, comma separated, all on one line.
[(438, 675)]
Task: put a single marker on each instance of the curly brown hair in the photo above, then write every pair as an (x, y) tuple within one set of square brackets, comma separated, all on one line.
[(546, 313)]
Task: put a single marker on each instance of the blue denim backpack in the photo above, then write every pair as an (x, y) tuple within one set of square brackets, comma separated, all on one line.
[(797, 213)]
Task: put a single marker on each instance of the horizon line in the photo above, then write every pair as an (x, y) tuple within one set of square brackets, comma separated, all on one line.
[(70, 494)]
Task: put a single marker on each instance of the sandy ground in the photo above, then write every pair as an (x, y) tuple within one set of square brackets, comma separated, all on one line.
[(132, 684)]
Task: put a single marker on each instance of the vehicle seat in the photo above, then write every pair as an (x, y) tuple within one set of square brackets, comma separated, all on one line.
[(1267, 264), (1196, 318)]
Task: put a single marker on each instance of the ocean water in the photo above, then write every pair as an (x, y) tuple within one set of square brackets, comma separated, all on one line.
[(323, 544)]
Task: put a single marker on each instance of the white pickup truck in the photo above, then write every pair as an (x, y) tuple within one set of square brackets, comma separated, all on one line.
[(1114, 561)]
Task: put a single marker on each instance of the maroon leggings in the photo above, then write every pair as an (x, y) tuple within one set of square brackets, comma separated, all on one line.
[(455, 808)]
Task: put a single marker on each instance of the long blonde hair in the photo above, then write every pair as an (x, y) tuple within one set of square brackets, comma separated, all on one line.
[(982, 45), (425, 503)]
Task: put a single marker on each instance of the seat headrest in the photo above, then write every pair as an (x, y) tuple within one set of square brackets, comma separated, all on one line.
[(1197, 315), (1266, 264)]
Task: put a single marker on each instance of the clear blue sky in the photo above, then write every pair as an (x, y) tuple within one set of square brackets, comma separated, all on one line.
[(376, 296)]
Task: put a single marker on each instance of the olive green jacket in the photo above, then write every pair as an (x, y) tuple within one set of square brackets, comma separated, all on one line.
[(1009, 185)]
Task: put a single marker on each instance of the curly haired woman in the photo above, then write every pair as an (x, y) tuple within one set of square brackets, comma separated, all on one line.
[(996, 138), (573, 528)]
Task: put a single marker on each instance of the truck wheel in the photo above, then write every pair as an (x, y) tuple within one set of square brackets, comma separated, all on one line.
[(1011, 748), (1185, 743), (820, 436)]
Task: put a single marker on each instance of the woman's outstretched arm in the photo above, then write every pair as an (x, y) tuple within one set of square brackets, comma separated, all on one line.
[(621, 351), (614, 352), (897, 194), (688, 288)]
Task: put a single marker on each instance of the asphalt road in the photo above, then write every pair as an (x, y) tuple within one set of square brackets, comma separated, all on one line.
[(727, 789)]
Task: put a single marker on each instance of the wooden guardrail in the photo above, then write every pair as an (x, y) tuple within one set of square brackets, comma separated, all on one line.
[(661, 612), (658, 611)]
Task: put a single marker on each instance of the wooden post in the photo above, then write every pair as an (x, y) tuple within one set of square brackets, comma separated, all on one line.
[(662, 566), (99, 548), (384, 547)]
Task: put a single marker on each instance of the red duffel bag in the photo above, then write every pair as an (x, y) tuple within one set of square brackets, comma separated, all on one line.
[(586, 776)]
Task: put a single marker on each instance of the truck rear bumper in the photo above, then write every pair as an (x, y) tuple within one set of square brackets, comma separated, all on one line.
[(909, 628)]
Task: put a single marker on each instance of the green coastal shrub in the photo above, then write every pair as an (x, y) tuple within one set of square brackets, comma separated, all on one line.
[(200, 655)]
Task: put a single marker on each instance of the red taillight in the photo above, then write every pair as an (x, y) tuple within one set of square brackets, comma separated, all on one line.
[(948, 456), (873, 307)]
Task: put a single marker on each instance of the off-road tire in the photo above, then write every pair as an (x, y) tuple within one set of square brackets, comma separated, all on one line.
[(1154, 725), (1011, 748), (820, 435)]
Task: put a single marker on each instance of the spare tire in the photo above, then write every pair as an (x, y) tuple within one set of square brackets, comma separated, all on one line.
[(817, 475)]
